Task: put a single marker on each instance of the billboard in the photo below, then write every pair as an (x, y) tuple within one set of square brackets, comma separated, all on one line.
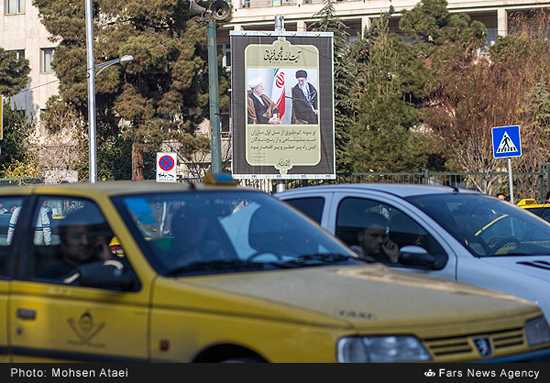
[(282, 105)]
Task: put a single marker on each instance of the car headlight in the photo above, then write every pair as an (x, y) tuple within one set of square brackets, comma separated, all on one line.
[(381, 349), (537, 331)]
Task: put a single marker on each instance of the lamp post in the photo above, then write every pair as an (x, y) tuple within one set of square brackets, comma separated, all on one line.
[(213, 94), (219, 10), (91, 110), (91, 88), (112, 62), (91, 92)]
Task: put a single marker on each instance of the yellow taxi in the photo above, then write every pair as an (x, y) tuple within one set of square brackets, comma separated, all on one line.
[(540, 209), (212, 272)]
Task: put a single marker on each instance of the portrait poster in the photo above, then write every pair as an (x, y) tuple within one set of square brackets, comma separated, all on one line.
[(282, 105)]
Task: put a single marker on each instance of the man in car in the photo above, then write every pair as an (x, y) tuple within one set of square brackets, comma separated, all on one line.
[(197, 237), (373, 239), (85, 238)]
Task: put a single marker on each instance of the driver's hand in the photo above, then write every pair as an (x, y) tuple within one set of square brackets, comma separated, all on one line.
[(391, 249), (103, 251)]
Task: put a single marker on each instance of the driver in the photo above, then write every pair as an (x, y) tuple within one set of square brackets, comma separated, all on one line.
[(373, 239), (85, 238), (194, 235)]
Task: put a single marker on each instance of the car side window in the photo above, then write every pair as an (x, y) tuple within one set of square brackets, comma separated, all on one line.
[(312, 207), (546, 214), (8, 222), (401, 229), (536, 211), (68, 234)]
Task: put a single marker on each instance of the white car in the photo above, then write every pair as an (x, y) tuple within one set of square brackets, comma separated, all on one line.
[(443, 231)]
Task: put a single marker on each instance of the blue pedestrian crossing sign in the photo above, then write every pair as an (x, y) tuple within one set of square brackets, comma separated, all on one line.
[(506, 142)]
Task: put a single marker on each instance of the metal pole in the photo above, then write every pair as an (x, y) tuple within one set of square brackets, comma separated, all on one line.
[(215, 140), (280, 27), (91, 93), (511, 181)]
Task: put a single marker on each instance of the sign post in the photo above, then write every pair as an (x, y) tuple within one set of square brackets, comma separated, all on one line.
[(507, 144), (166, 167)]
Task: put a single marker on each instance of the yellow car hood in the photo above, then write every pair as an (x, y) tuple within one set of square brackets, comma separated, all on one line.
[(371, 295)]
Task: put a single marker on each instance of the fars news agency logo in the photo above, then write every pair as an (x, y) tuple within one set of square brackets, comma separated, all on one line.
[(429, 373)]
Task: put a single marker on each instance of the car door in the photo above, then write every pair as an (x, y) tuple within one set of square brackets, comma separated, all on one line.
[(406, 226), (5, 219), (53, 320)]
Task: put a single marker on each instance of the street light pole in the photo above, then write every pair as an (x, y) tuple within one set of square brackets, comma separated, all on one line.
[(214, 94), (219, 10), (92, 170), (107, 64), (92, 142)]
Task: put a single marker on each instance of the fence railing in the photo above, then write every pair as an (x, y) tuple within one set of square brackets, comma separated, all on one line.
[(18, 181), (526, 185)]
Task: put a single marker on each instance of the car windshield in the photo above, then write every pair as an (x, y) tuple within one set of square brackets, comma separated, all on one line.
[(487, 226), (226, 231)]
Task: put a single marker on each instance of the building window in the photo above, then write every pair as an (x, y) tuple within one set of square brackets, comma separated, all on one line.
[(225, 121), (226, 54), (47, 58), (15, 7), (19, 53)]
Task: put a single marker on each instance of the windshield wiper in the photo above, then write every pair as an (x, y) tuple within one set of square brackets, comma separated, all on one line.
[(220, 265), (322, 259)]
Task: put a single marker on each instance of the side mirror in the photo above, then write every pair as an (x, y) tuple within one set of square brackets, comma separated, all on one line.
[(106, 275), (416, 256)]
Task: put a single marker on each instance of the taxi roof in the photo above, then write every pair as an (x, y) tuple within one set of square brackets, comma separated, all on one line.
[(529, 203), (112, 188)]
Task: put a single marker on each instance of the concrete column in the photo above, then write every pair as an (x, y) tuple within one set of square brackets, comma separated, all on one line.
[(502, 22), (366, 23), (238, 27), (301, 26)]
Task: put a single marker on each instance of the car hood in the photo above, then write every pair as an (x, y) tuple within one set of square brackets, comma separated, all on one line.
[(370, 295)]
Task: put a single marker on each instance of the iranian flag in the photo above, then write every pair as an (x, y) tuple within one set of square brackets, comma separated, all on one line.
[(278, 91)]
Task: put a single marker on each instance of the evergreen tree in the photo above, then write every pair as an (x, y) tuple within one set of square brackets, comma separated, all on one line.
[(15, 144), (14, 73), (345, 86), (14, 76), (160, 95), (386, 138)]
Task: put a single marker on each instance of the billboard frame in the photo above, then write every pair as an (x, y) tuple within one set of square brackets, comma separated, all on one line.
[(255, 53)]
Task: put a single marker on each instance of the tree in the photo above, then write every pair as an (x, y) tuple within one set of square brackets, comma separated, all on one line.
[(14, 73), (388, 136), (471, 95), (345, 86), (469, 102), (16, 159), (159, 95), (526, 51)]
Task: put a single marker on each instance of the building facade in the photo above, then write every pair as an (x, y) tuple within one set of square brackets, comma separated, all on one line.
[(359, 14)]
